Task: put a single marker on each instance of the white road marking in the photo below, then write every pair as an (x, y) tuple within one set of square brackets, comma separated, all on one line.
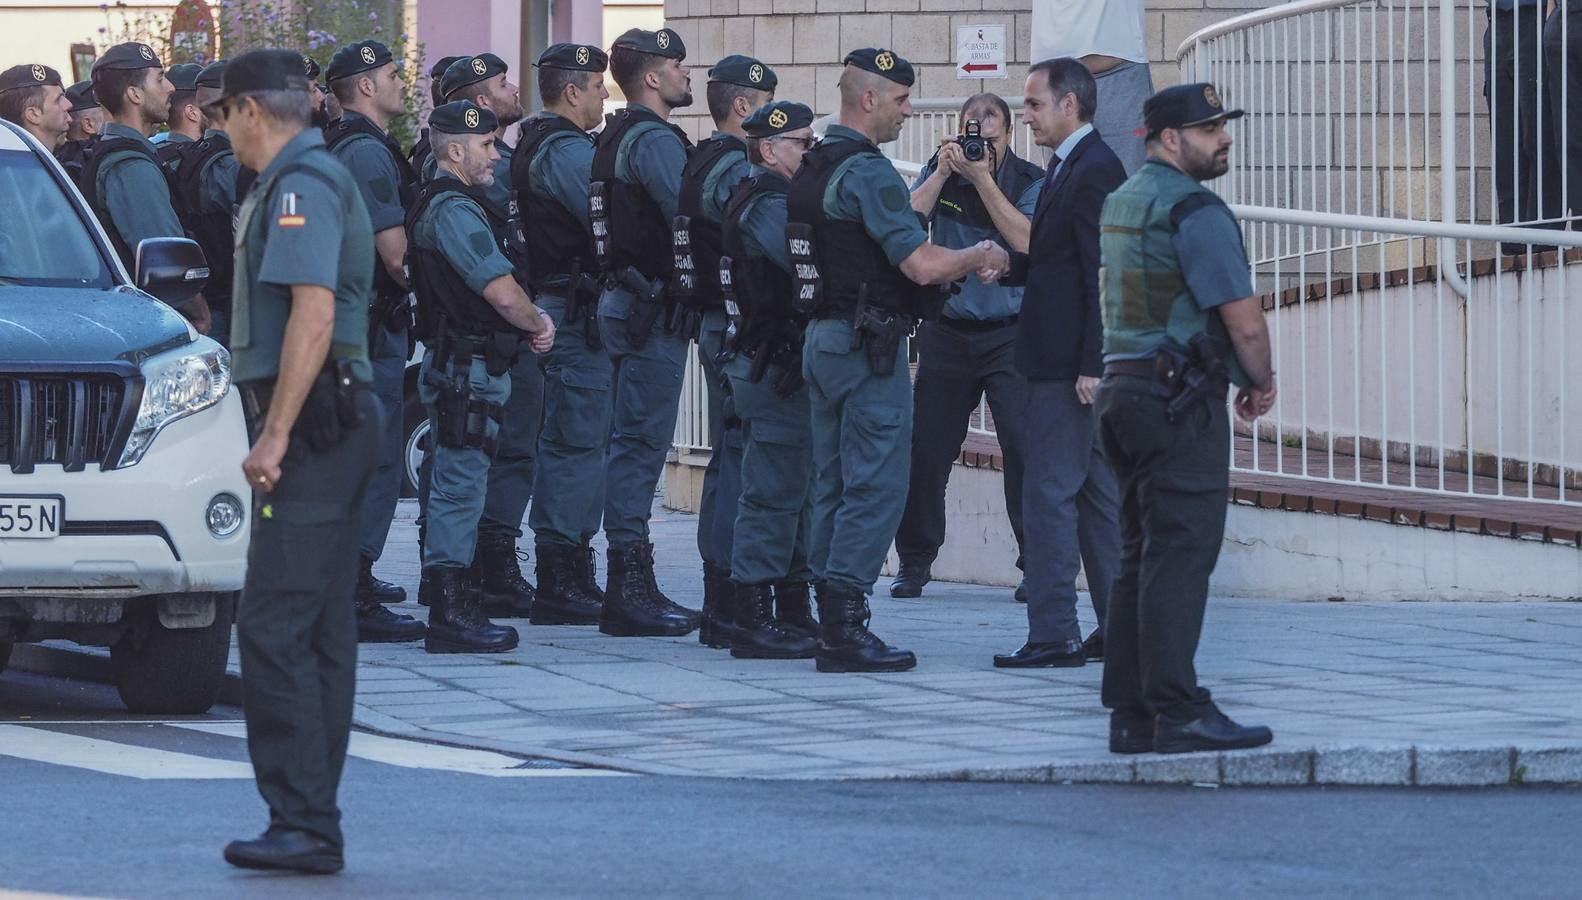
[(111, 758)]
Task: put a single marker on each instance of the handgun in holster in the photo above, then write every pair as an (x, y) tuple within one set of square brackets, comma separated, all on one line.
[(450, 380), (878, 332), (582, 304), (329, 412), (648, 302), (1191, 374)]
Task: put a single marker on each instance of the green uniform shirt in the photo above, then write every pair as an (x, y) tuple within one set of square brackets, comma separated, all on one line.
[(303, 223), (135, 193), (763, 225), (217, 180), (730, 169), (376, 175), (456, 227), (561, 171), (651, 155), (866, 188)]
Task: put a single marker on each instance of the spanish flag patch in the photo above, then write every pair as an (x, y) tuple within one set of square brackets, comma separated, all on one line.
[(288, 212)]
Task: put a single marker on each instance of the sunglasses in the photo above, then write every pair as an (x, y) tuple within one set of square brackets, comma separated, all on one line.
[(807, 143)]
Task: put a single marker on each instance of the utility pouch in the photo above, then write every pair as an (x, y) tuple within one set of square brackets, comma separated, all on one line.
[(500, 352), (804, 268), (329, 412)]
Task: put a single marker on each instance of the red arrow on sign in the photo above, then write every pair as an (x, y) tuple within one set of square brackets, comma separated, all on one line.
[(978, 67)]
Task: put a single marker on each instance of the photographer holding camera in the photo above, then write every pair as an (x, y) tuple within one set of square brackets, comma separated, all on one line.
[(975, 188)]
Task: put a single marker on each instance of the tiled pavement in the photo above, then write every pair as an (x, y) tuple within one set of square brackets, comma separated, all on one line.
[(1355, 691)]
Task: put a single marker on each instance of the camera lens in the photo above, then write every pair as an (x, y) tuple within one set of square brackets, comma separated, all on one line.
[(972, 148)]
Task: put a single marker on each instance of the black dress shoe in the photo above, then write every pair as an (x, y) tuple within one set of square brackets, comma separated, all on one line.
[(1059, 654), (288, 849), (1214, 731), (909, 581), (1129, 735), (1093, 646)]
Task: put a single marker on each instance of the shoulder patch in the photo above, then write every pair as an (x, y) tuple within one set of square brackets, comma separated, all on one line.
[(893, 196), (288, 216)]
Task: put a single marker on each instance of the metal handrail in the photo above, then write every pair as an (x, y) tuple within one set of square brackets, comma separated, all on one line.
[(1257, 17), (1453, 231)]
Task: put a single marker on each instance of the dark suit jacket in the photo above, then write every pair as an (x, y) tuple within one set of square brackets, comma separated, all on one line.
[(1061, 330)]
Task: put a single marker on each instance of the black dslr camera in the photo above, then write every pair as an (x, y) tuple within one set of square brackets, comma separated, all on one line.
[(973, 145)]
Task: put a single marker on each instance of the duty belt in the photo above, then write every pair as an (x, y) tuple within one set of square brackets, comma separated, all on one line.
[(1140, 368), (978, 326)]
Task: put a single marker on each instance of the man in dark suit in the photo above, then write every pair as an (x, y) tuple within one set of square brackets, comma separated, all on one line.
[(1069, 501)]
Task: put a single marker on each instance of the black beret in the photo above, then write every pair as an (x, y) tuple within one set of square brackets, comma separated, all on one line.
[(663, 42), (471, 70), (745, 71), (129, 56), (355, 59), (264, 70), (1183, 106), (462, 117), (438, 69), (778, 117), (213, 75), (311, 67), (184, 76), (82, 97), (576, 57), (28, 76), (887, 63)]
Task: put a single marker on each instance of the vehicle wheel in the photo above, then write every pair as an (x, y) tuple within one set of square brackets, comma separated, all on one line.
[(414, 441), (174, 670), (5, 654)]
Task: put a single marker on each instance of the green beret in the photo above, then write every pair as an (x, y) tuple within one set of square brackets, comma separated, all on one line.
[(264, 70), (311, 67), (28, 76), (129, 56), (355, 59), (184, 76), (82, 97), (213, 75), (438, 69), (663, 42), (575, 57), (886, 63), (471, 70), (462, 117), (745, 71), (778, 117)]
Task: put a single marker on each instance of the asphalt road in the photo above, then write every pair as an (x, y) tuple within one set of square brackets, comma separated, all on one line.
[(442, 823)]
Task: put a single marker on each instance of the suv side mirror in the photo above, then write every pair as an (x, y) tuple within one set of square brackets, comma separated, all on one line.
[(172, 269)]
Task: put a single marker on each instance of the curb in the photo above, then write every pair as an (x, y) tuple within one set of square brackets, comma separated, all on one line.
[(1400, 765)]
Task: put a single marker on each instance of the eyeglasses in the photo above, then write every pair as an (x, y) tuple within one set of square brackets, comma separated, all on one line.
[(808, 143)]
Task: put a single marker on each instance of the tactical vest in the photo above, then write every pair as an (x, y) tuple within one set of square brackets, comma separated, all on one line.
[(70, 156), (344, 129), (94, 153), (1142, 289), (844, 267), (965, 204), (421, 151), (696, 238), (558, 248), (763, 291), (169, 153), (211, 228), (637, 233), (442, 292)]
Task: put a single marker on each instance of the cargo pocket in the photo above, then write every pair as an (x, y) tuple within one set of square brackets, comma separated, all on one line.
[(577, 409), (295, 542), (875, 443)]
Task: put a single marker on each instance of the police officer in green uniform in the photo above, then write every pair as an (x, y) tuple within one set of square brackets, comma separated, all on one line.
[(633, 197), (422, 155), (474, 311), (863, 266), (33, 98), (205, 190), (483, 80), (737, 86), (551, 170), (1180, 319), (364, 79), (771, 615), (87, 115), (299, 356), (187, 122), (122, 178)]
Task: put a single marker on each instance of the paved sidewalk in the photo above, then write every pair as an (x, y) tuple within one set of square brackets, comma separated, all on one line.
[(1403, 693)]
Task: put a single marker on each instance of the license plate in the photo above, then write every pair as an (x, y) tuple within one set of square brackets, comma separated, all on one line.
[(30, 517)]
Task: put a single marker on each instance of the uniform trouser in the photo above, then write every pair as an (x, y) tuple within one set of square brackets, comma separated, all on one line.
[(862, 435), (569, 483), (722, 480), (774, 510), (954, 371), (1071, 509), (460, 476), (387, 352), (296, 631), (1563, 83), (511, 472), (1173, 479), (646, 383)]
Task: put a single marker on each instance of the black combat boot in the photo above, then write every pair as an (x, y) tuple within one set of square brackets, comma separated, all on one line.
[(909, 580), (377, 625), (652, 583), (758, 636), (630, 609), (561, 600), (718, 628), (794, 607), (845, 643), (587, 572), (374, 590), (455, 618), (506, 594)]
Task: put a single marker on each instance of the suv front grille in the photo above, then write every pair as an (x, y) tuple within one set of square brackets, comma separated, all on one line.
[(69, 420)]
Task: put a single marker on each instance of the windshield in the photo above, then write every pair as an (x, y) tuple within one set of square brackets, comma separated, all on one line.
[(43, 241)]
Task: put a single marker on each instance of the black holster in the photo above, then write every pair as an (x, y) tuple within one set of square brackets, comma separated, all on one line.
[(879, 332), (461, 421), (1191, 374), (393, 312), (328, 414), (648, 303)]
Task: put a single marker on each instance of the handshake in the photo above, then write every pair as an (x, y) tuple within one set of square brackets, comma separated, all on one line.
[(993, 263)]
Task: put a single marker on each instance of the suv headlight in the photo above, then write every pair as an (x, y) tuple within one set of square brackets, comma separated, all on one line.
[(173, 389)]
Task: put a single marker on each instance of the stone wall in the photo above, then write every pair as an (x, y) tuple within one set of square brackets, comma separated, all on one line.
[(804, 40)]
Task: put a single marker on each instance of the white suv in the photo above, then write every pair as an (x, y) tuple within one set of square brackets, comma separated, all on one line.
[(123, 509)]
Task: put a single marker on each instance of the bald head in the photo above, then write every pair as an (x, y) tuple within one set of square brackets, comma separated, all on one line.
[(873, 104)]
